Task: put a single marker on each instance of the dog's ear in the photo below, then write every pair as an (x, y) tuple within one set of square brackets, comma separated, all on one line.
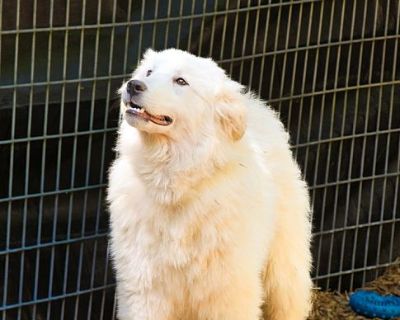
[(230, 110)]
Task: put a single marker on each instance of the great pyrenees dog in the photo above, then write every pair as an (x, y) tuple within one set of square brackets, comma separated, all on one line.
[(210, 216)]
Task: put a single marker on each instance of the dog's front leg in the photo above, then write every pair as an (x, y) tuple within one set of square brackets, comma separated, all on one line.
[(149, 305), (241, 299)]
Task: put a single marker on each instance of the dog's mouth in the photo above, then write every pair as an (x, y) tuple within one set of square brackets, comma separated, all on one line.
[(140, 112)]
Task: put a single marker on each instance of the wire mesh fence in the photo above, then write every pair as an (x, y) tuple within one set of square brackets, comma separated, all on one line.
[(331, 68)]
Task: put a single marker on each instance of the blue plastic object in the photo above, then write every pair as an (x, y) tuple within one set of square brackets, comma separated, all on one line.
[(373, 305)]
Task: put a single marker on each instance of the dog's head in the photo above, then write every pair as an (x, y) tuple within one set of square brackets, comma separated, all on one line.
[(174, 93)]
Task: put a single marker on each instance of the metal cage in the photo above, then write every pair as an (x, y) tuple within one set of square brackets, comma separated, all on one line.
[(331, 68)]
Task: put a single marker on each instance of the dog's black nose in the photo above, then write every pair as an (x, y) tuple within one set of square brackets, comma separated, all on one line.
[(135, 87)]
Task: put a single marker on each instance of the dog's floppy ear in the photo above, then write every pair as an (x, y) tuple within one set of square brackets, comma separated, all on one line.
[(230, 110)]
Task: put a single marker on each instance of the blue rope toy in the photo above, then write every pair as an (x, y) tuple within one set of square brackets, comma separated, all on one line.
[(373, 305)]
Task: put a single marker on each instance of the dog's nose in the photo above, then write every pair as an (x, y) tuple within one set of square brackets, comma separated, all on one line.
[(135, 87)]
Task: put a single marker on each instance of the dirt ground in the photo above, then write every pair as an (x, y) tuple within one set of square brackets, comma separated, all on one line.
[(334, 305)]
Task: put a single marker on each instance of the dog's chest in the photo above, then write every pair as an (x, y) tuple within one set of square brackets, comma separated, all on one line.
[(163, 245)]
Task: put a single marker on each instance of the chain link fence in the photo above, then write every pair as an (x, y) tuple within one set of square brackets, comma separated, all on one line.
[(331, 68)]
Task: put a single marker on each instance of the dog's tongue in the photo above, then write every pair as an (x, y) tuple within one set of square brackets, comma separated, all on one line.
[(161, 120), (156, 119)]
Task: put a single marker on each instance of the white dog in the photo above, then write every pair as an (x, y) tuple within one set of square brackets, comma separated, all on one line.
[(209, 213)]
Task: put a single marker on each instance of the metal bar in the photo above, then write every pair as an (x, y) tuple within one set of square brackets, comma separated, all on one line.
[(167, 26), (71, 240), (74, 155), (352, 271), (321, 123), (54, 192), (347, 203), (275, 53), (266, 28), (27, 169), (189, 41), (253, 50), (10, 178), (58, 170), (153, 41), (234, 37), (140, 34), (312, 104), (102, 166), (382, 208), (232, 59), (95, 65), (84, 209), (221, 54), (335, 204), (102, 185), (285, 55), (43, 163), (114, 313), (58, 136), (392, 221), (375, 144), (202, 28), (244, 42), (103, 150), (105, 280), (213, 30), (303, 88), (55, 298), (157, 20), (360, 179), (395, 203), (355, 242), (293, 79), (316, 46), (396, 189), (108, 98), (128, 18), (178, 37), (319, 132), (346, 137)]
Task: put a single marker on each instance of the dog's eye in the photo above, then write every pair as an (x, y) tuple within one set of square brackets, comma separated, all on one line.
[(148, 72), (181, 82)]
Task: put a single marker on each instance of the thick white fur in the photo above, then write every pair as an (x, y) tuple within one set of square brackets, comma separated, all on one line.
[(210, 215)]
